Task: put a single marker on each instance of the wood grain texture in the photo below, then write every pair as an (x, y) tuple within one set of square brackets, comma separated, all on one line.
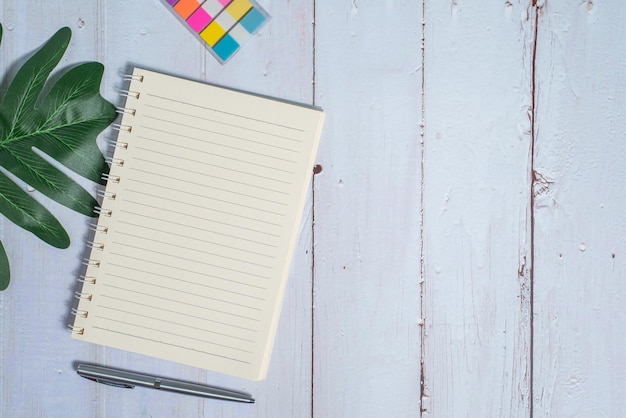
[(477, 101), (367, 210), (580, 227), (523, 112), (36, 354)]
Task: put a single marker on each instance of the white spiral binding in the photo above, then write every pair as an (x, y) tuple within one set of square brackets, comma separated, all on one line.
[(132, 77), (115, 161), (83, 295), (107, 194), (75, 329), (79, 312), (99, 228), (123, 110), (104, 212), (95, 245), (128, 93), (90, 262), (107, 177), (87, 279), (119, 127), (120, 145)]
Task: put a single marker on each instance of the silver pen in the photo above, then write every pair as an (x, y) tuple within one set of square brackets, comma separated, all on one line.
[(124, 379)]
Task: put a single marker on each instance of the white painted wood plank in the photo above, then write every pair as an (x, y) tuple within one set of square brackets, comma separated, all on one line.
[(121, 35), (580, 226), (36, 358), (476, 208), (367, 210)]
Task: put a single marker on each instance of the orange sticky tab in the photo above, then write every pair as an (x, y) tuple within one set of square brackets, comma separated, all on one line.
[(238, 8), (186, 7)]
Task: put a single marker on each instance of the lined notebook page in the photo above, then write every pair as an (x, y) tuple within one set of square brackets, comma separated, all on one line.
[(198, 224)]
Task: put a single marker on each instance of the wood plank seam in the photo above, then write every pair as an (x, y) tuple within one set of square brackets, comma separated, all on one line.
[(423, 400), (533, 182), (312, 248)]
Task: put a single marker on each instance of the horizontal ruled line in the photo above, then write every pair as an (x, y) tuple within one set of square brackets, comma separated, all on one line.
[(143, 327), (176, 323), (190, 260), (203, 218), (195, 227), (171, 344), (206, 185), (204, 163), (134, 280), (201, 273), (209, 197), (200, 206), (223, 123), (195, 239), (224, 112), (269, 167), (203, 252), (187, 314), (165, 276), (182, 303), (265, 144), (204, 141)]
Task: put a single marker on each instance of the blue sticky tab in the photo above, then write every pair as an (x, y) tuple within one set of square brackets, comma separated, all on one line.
[(252, 20), (225, 47)]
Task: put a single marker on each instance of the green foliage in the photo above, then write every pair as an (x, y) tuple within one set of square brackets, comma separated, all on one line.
[(5, 273), (61, 123)]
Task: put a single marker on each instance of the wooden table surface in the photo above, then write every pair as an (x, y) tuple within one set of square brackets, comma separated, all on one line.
[(463, 251)]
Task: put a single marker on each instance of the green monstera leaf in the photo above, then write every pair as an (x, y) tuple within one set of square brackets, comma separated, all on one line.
[(36, 126)]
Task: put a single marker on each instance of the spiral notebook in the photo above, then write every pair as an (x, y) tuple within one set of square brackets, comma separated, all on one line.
[(198, 223)]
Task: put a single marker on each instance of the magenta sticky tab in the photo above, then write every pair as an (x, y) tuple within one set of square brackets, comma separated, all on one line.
[(199, 20)]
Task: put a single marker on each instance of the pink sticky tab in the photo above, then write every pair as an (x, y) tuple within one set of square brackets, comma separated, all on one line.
[(224, 2), (199, 20)]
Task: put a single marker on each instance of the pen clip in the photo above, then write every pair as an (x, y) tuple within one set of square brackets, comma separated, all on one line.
[(110, 382)]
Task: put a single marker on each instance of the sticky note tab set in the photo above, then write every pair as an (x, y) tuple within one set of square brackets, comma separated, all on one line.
[(222, 25)]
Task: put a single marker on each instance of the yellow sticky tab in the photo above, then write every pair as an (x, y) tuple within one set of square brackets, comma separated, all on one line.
[(238, 8), (212, 33)]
